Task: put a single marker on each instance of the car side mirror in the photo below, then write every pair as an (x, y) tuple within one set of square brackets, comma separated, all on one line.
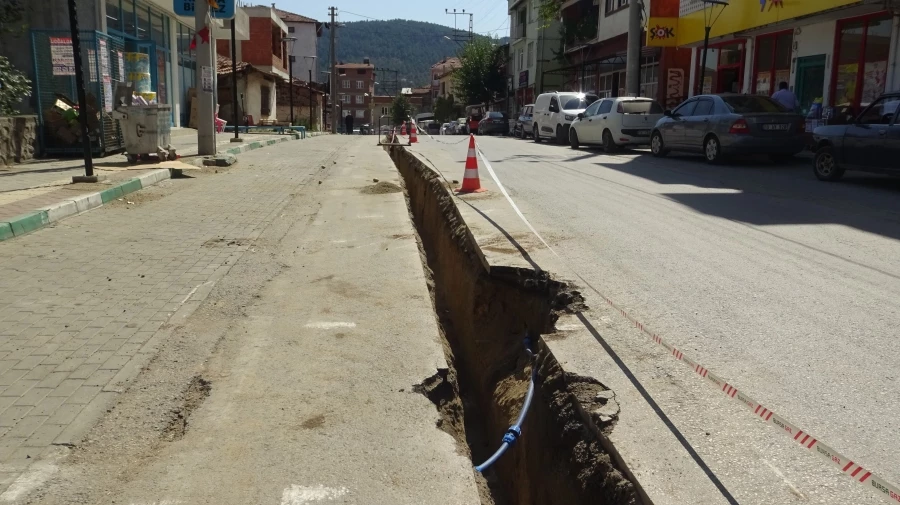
[(667, 113), (581, 115)]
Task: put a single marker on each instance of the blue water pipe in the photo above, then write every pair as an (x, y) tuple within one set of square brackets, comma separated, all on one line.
[(515, 431)]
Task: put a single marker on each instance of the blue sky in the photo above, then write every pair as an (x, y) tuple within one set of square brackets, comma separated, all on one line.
[(490, 15)]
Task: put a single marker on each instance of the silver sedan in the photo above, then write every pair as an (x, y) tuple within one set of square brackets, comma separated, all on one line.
[(730, 124)]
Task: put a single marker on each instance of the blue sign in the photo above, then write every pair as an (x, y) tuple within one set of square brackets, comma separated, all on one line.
[(225, 10)]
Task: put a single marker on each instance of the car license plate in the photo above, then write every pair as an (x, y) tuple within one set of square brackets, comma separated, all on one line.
[(643, 133), (776, 127)]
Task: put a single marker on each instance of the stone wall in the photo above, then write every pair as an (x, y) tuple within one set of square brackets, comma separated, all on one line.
[(18, 139)]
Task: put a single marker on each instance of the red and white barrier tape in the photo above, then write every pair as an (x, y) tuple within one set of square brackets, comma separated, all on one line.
[(880, 486)]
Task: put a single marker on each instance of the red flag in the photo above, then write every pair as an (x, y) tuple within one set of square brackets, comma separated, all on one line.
[(204, 36)]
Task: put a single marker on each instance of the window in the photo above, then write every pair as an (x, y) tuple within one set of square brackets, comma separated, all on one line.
[(704, 108), (749, 104), (342, 71), (773, 62), (605, 107), (650, 77), (290, 29), (361, 71), (521, 59), (880, 112), (143, 22), (385, 111), (345, 84), (571, 102), (360, 85), (615, 5), (360, 99), (685, 109), (530, 54), (345, 98), (113, 16), (360, 113), (127, 23), (554, 104), (265, 100), (592, 110), (605, 85), (642, 107)]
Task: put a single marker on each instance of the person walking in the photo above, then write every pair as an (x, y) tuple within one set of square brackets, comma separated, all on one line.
[(348, 124), (786, 97)]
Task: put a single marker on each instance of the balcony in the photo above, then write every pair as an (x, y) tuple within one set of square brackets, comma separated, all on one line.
[(579, 23)]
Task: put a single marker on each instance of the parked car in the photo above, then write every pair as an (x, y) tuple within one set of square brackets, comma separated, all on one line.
[(729, 124), (616, 122), (870, 143), (448, 128), (522, 127), (494, 123), (554, 112), (461, 127)]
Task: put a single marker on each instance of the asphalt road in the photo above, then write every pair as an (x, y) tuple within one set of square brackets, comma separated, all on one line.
[(784, 285)]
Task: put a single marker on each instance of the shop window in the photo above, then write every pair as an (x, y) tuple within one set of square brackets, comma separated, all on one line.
[(773, 62), (143, 23), (127, 23), (862, 60), (157, 32), (265, 100), (650, 77)]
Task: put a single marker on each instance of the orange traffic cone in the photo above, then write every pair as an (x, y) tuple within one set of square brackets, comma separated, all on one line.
[(403, 128), (471, 183), (412, 134)]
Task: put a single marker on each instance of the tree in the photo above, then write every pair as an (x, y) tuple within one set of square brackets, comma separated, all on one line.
[(14, 86), (446, 109), (400, 109), (480, 78), (12, 16)]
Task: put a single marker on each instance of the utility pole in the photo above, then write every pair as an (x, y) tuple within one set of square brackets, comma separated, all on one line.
[(82, 97), (457, 36), (206, 132), (334, 106), (633, 61), (234, 83)]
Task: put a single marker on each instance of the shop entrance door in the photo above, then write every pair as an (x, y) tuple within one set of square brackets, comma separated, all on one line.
[(729, 80), (810, 81)]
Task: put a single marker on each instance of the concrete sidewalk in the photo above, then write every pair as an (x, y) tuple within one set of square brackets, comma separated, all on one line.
[(320, 332)]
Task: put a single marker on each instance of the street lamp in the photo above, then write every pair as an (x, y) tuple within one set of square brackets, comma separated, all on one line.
[(455, 41), (709, 21), (290, 47)]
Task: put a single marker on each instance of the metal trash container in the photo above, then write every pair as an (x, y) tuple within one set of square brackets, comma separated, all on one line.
[(146, 129)]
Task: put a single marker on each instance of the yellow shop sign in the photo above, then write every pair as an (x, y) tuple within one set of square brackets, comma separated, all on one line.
[(661, 32), (741, 15)]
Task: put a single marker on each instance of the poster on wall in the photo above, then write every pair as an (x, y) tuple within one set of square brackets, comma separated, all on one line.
[(707, 84), (104, 59), (61, 56), (92, 64), (107, 94), (121, 66), (674, 87), (206, 79), (874, 80), (846, 84)]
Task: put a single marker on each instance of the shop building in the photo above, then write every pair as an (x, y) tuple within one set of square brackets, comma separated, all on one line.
[(531, 58), (836, 55)]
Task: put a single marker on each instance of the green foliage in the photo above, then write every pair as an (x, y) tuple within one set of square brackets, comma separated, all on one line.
[(12, 17), (401, 109), (549, 11), (14, 86), (480, 78), (410, 47), (446, 109)]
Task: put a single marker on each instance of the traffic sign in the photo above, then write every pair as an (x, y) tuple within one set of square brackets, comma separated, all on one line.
[(186, 8)]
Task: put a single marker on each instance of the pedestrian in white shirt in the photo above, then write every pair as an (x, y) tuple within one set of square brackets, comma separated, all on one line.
[(786, 97)]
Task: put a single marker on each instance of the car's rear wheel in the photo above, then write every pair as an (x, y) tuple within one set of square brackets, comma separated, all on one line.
[(657, 145), (825, 166), (609, 145), (537, 136), (573, 139), (712, 150)]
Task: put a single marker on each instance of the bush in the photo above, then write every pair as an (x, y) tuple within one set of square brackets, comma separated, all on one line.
[(14, 86)]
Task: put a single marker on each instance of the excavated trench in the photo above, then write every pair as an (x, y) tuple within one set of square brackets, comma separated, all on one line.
[(484, 314)]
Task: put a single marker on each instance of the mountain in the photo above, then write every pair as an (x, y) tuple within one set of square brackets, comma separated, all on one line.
[(409, 47)]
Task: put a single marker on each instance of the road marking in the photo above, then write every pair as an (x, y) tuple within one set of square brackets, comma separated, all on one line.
[(189, 295), (301, 495), (330, 325)]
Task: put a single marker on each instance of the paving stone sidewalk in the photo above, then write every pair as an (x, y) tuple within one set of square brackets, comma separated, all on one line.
[(81, 301)]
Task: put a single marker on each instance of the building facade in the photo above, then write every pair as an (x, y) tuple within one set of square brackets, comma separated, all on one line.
[(532, 61), (355, 88), (307, 32), (836, 55)]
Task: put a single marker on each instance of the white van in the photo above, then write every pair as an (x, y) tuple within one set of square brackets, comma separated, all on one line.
[(554, 112)]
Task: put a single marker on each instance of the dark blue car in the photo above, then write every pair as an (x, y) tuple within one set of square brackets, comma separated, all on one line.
[(869, 142)]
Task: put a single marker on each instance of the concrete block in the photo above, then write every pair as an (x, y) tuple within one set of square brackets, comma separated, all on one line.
[(111, 194), (6, 231), (27, 223), (130, 186), (61, 210), (85, 203), (222, 160)]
